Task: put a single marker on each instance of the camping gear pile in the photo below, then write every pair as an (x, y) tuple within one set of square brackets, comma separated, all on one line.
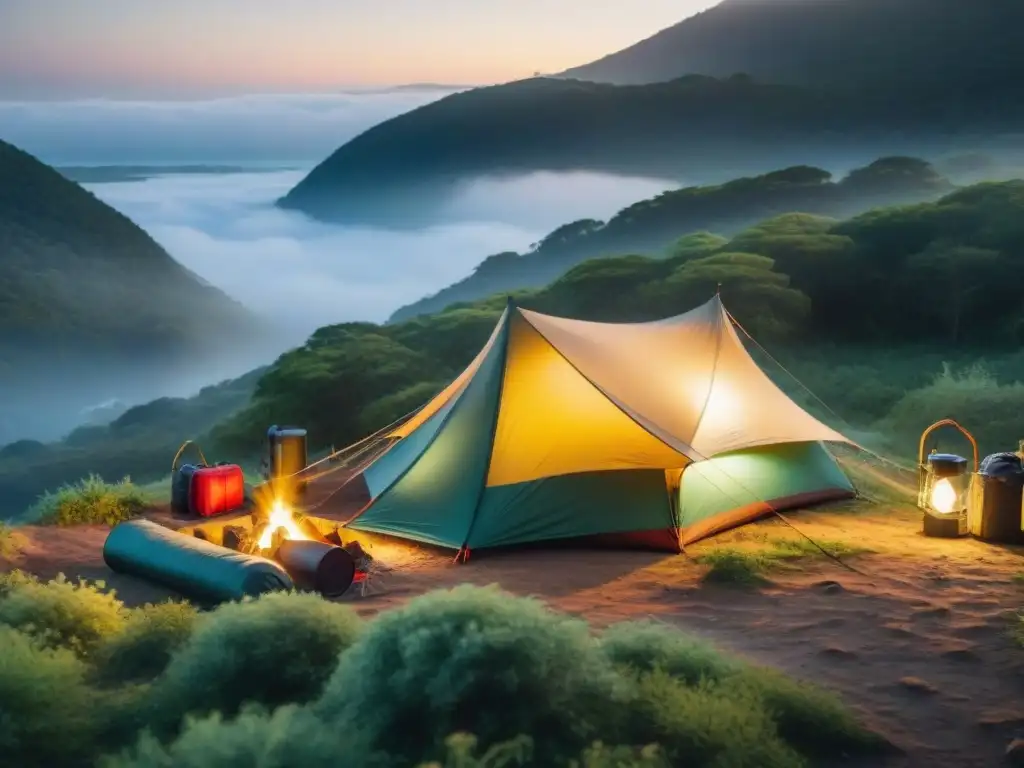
[(251, 555), (204, 489), (267, 549), (986, 502)]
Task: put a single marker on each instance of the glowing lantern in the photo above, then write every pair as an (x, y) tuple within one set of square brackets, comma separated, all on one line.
[(943, 486)]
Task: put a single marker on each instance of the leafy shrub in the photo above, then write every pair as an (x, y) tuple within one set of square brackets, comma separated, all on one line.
[(289, 737), (78, 617), (472, 660), (647, 646), (292, 736), (812, 720), (44, 716), (703, 725), (10, 542), (278, 649), (974, 397), (151, 635), (91, 501)]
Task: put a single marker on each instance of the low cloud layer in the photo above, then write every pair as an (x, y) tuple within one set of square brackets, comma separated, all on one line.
[(246, 130), (308, 274)]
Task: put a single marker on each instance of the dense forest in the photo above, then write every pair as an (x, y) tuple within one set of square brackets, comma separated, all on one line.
[(651, 225), (868, 311)]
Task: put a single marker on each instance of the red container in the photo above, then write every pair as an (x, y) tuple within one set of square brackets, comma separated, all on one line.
[(216, 490)]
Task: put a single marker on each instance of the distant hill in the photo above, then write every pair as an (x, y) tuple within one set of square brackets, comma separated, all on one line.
[(87, 294), (652, 225), (697, 129), (938, 45), (140, 442)]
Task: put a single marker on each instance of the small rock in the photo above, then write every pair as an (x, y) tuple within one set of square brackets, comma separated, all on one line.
[(917, 685), (1015, 752), (829, 587)]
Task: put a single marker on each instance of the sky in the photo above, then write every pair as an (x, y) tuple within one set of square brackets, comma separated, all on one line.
[(53, 49)]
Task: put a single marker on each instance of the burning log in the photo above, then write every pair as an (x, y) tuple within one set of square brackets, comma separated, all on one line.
[(318, 566), (240, 539)]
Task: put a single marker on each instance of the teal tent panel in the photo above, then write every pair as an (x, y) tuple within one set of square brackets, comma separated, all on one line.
[(434, 500), (567, 506), (384, 471), (733, 480)]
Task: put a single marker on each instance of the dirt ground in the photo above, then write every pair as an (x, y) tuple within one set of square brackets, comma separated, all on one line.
[(918, 638)]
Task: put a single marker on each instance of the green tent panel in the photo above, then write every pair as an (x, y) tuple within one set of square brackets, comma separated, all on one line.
[(434, 500), (571, 506), (732, 488), (383, 472)]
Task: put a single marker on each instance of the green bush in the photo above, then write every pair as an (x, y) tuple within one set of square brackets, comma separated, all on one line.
[(46, 706), (151, 635), (278, 649), (472, 660), (10, 542), (974, 397), (59, 613), (91, 501), (810, 719), (703, 725), (646, 646), (245, 686), (290, 737)]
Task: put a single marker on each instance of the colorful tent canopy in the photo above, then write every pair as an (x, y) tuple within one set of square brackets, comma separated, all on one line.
[(662, 432)]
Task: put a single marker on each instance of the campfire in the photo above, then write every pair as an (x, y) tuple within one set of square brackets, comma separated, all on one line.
[(326, 564), (268, 530)]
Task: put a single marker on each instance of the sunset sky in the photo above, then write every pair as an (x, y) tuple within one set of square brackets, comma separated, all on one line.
[(150, 48)]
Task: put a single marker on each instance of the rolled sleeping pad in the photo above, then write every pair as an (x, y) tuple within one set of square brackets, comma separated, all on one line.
[(318, 567), (196, 568)]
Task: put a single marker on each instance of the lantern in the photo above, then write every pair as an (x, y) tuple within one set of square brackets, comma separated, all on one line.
[(944, 484)]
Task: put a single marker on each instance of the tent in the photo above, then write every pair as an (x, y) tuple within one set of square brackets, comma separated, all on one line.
[(657, 433)]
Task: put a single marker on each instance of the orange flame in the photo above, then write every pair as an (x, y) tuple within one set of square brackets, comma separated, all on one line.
[(280, 517)]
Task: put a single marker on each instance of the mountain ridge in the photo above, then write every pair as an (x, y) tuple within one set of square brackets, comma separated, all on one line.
[(850, 43)]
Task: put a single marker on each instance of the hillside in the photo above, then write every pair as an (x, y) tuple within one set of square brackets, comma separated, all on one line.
[(86, 296), (77, 276), (938, 45), (651, 226), (403, 171)]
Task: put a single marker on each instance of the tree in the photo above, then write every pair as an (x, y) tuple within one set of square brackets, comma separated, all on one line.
[(951, 281)]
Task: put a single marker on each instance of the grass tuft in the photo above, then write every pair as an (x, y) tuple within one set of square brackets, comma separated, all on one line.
[(91, 501), (734, 567), (750, 567)]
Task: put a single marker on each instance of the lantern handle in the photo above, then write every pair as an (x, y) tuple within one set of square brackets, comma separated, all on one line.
[(946, 423)]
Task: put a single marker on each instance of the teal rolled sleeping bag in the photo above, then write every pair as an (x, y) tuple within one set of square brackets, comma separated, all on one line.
[(199, 570)]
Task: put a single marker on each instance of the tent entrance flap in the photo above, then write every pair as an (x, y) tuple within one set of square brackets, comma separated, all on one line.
[(737, 487)]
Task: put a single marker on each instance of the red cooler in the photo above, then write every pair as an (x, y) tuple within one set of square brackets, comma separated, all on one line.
[(216, 490)]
